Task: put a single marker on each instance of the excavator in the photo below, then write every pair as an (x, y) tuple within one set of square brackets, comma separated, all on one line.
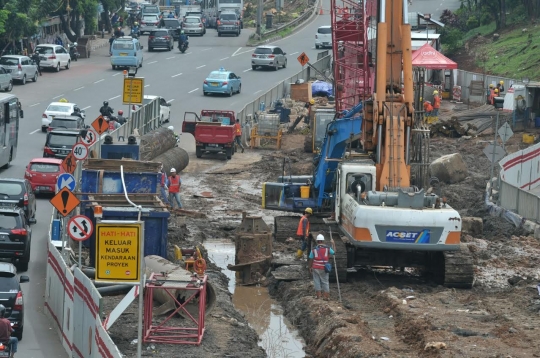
[(365, 198)]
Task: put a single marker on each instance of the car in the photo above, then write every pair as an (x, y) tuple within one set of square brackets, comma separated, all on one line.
[(67, 122), (126, 52), (161, 38), (6, 81), (18, 192), (148, 23), (268, 56), (165, 110), (228, 23), (22, 68), (222, 81), (53, 56), (42, 173), (172, 24), (193, 25), (15, 236), (150, 9), (323, 37), (11, 296), (59, 143), (56, 109)]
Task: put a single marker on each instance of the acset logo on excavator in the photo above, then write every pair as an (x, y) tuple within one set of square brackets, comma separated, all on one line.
[(417, 237)]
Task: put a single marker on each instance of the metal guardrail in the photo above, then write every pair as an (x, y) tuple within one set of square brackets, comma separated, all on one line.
[(306, 15)]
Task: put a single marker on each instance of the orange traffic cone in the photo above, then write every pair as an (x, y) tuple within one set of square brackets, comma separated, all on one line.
[(321, 11)]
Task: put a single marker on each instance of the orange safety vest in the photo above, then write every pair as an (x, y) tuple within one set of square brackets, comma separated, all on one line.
[(238, 129), (300, 230), (427, 107), (174, 184), (436, 102), (321, 254), (491, 95)]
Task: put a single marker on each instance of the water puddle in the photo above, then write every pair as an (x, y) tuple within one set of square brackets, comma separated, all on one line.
[(265, 316)]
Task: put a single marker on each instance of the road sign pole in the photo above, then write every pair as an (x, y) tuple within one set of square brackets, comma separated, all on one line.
[(493, 155), (80, 254)]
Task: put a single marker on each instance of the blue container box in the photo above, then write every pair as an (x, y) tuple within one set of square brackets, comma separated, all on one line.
[(111, 182), (155, 228)]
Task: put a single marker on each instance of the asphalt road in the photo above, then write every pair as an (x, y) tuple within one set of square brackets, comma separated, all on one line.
[(175, 76)]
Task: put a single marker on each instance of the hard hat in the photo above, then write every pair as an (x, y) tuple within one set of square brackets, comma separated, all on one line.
[(435, 92), (502, 82), (120, 112), (171, 128), (173, 170), (309, 211), (311, 101), (421, 99), (491, 85), (136, 23), (496, 90), (320, 237)]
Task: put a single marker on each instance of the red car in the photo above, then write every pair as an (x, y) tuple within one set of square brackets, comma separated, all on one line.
[(42, 174)]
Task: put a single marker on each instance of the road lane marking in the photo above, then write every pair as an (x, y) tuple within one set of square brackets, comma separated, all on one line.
[(257, 91), (178, 74), (60, 95), (234, 54), (80, 88), (205, 49), (201, 66), (88, 107), (169, 101), (232, 104), (249, 69), (294, 53), (32, 105), (37, 130), (110, 99), (149, 63), (101, 80), (224, 58), (168, 58), (116, 74), (189, 53), (146, 86), (240, 53), (196, 89)]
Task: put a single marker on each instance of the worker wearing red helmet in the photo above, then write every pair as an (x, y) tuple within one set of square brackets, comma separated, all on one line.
[(120, 118)]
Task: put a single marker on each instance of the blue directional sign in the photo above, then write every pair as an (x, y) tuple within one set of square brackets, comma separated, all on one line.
[(65, 180)]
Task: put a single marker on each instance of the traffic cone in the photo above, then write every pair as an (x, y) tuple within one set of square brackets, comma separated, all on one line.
[(321, 11)]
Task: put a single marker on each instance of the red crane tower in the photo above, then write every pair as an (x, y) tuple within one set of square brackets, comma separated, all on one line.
[(353, 79)]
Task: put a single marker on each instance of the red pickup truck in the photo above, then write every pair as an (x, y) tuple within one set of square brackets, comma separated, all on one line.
[(213, 131)]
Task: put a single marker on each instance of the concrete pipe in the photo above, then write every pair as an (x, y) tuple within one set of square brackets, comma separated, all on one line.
[(157, 264), (156, 143), (173, 158)]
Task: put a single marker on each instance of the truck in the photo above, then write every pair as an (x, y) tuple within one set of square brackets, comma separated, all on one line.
[(369, 201), (213, 130)]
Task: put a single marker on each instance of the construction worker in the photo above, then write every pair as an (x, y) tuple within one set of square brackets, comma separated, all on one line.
[(174, 184), (428, 108), (303, 233), (436, 103), (318, 258), (500, 87), (491, 93), (238, 132)]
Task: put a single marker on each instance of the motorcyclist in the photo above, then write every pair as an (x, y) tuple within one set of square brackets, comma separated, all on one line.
[(5, 332), (105, 110), (120, 118), (175, 134), (135, 28), (118, 32), (35, 57), (183, 38), (77, 112)]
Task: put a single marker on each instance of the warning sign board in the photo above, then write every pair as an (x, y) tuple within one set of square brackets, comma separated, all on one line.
[(80, 228), (303, 59), (100, 125), (69, 164), (118, 252), (65, 201), (133, 90)]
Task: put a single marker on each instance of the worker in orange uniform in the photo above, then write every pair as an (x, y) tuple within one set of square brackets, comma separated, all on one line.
[(428, 108), (174, 182), (238, 134), (491, 93), (436, 103), (303, 233)]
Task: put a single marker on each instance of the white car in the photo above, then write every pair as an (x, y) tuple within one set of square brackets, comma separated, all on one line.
[(53, 56), (165, 108), (323, 37), (57, 109)]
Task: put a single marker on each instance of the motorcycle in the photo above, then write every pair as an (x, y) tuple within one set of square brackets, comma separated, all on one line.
[(183, 46), (135, 33), (73, 53)]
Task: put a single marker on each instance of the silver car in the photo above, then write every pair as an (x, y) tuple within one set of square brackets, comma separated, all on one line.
[(6, 83), (268, 56), (22, 68), (193, 25), (149, 23)]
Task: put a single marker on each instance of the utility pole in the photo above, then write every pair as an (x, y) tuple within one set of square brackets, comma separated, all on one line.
[(259, 17)]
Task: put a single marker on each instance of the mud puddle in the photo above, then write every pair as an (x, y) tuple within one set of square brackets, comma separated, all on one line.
[(277, 335)]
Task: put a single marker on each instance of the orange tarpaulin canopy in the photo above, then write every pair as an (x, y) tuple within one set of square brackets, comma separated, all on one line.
[(427, 57)]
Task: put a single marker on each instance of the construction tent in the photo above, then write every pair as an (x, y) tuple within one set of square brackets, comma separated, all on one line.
[(427, 57)]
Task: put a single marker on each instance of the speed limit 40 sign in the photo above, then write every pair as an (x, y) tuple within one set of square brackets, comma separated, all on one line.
[(80, 151)]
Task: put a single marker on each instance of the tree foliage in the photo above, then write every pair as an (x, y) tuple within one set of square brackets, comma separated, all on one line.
[(18, 19)]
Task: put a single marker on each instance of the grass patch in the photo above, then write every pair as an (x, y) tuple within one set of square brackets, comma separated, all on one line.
[(254, 39), (482, 31)]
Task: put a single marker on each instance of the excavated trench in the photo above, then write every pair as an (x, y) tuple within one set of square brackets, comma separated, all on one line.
[(277, 336)]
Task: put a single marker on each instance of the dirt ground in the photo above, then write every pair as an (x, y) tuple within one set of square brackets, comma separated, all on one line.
[(383, 313)]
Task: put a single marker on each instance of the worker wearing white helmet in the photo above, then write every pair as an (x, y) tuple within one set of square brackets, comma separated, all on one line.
[(320, 266), (174, 183), (436, 103)]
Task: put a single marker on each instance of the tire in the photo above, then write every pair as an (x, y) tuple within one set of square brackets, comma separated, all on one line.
[(35, 77), (285, 64), (253, 68), (23, 81), (219, 34), (317, 47), (228, 153), (141, 64), (239, 89), (276, 67), (150, 49), (19, 335), (57, 69), (113, 67), (237, 34), (231, 92), (22, 266), (9, 87), (205, 93), (198, 152), (68, 65), (44, 129)]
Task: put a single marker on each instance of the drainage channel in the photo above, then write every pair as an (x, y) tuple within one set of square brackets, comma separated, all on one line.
[(277, 336)]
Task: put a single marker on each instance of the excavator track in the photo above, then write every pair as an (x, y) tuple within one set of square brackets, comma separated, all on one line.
[(458, 268)]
